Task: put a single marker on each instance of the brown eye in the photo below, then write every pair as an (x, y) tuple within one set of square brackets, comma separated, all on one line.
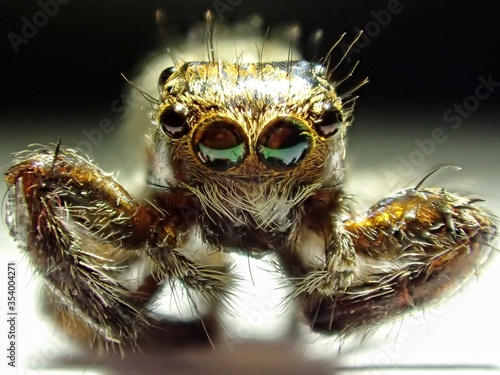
[(164, 76), (283, 143), (173, 121), (329, 123), (219, 144)]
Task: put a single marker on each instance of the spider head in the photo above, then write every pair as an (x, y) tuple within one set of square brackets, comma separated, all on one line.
[(251, 141), (262, 122)]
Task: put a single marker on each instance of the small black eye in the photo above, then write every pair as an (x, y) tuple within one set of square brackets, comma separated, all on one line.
[(173, 121), (164, 76), (329, 122), (283, 143)]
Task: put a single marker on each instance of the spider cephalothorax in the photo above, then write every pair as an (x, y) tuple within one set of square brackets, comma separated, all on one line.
[(251, 141)]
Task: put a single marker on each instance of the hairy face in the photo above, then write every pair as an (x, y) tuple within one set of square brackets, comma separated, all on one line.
[(253, 138)]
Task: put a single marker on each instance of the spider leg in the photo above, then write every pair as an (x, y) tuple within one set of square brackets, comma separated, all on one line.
[(85, 234), (411, 250)]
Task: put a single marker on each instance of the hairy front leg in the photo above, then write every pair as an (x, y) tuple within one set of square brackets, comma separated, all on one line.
[(410, 250), (85, 234)]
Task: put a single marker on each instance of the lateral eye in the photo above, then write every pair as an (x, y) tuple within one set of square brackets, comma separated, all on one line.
[(164, 76), (329, 122), (283, 143), (173, 121), (219, 144)]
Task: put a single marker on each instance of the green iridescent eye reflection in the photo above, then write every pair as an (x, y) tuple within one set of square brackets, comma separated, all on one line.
[(228, 156), (220, 145), (286, 157), (284, 143)]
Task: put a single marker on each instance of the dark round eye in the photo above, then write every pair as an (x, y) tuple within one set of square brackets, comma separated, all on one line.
[(219, 144), (283, 143), (329, 123), (164, 76), (173, 121)]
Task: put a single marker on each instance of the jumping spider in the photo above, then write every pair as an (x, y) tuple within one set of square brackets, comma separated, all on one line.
[(245, 157)]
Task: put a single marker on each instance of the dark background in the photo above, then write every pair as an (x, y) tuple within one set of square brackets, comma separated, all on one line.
[(429, 54), (423, 61)]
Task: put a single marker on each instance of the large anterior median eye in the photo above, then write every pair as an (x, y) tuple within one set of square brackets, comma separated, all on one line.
[(330, 122), (173, 121), (219, 144), (283, 143)]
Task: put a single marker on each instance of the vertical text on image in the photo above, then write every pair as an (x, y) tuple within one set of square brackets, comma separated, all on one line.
[(11, 314)]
